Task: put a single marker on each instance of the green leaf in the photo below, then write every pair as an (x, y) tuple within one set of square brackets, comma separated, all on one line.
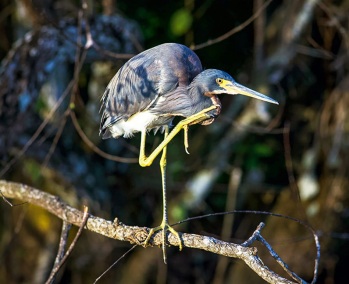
[(263, 150), (180, 22)]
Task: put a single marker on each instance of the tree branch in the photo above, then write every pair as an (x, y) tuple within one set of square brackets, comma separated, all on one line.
[(134, 234)]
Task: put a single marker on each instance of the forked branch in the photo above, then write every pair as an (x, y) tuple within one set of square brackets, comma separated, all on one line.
[(137, 235)]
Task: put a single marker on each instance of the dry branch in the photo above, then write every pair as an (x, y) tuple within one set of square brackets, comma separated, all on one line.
[(134, 234)]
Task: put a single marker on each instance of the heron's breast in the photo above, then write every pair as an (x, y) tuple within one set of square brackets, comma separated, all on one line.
[(145, 120)]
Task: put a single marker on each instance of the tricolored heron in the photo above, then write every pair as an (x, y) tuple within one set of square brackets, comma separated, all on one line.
[(151, 89)]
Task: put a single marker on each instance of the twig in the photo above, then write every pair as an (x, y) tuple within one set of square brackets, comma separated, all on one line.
[(257, 236), (37, 132), (259, 35), (91, 43), (61, 248), (72, 245), (286, 50), (289, 168), (5, 199), (67, 91), (252, 238), (279, 260), (234, 30), (89, 39), (9, 203), (335, 22), (63, 242), (57, 137), (89, 143), (111, 266)]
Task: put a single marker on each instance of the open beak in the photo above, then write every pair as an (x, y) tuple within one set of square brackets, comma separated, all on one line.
[(234, 88)]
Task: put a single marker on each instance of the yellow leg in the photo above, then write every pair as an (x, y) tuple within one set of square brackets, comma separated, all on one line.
[(145, 161), (164, 226)]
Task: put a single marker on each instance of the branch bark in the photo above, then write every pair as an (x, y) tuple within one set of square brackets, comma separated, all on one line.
[(133, 234)]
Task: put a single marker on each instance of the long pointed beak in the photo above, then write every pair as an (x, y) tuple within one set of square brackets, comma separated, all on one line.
[(234, 88)]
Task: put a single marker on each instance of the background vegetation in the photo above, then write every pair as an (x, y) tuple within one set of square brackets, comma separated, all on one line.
[(291, 159)]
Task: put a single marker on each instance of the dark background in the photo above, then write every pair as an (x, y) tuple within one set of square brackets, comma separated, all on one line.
[(291, 159)]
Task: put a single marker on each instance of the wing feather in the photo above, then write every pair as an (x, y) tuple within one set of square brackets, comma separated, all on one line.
[(144, 78)]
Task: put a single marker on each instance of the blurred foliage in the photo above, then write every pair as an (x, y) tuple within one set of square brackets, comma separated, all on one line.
[(180, 22), (312, 87)]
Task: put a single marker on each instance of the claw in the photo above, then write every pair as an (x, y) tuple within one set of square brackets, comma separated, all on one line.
[(164, 227), (186, 143)]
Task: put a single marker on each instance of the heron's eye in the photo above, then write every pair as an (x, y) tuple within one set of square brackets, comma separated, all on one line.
[(219, 81)]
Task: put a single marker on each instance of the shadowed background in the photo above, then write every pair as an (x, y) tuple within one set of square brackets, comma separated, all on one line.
[(290, 160)]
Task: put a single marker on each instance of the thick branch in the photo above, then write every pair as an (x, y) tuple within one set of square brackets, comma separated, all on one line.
[(134, 234)]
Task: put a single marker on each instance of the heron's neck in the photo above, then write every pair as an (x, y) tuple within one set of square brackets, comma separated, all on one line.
[(199, 95), (195, 92), (197, 88)]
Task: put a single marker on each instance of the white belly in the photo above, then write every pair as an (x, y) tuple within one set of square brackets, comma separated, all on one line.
[(136, 123)]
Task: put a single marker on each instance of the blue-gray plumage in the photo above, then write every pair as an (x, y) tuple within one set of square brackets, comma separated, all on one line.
[(151, 89), (158, 84)]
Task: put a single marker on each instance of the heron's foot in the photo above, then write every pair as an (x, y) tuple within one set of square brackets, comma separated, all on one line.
[(164, 227)]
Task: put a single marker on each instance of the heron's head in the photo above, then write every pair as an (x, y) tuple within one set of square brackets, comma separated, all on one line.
[(214, 82)]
